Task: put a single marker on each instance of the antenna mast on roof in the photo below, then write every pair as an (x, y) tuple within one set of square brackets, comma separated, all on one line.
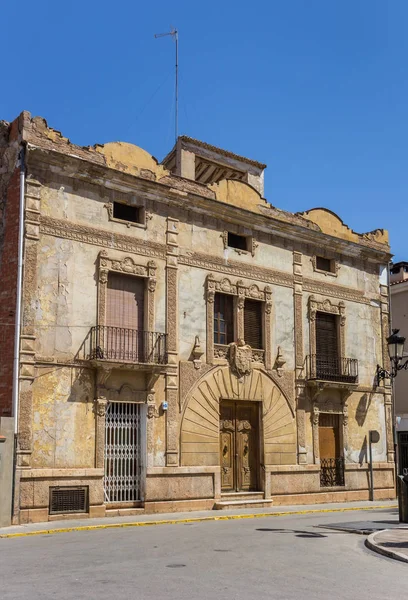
[(174, 34)]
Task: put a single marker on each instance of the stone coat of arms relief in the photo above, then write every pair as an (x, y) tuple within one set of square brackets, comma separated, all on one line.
[(240, 358)]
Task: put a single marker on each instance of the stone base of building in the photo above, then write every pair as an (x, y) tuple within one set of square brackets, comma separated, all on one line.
[(184, 489)]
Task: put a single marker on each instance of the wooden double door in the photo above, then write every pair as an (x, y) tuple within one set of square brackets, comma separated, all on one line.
[(239, 446)]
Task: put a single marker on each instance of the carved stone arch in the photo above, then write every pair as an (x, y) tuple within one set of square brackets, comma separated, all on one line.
[(199, 432)]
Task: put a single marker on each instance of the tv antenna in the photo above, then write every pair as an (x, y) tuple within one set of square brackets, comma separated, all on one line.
[(174, 35)]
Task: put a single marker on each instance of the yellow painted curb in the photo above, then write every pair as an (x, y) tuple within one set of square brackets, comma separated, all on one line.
[(192, 520)]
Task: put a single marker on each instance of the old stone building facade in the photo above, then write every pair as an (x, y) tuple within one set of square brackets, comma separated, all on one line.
[(184, 344)]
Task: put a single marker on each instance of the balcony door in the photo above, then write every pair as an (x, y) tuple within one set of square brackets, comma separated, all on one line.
[(331, 461), (124, 331), (327, 346)]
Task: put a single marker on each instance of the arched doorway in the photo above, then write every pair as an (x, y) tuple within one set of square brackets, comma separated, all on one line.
[(250, 417)]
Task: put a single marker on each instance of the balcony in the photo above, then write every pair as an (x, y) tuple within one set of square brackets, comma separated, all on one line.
[(338, 369), (126, 346)]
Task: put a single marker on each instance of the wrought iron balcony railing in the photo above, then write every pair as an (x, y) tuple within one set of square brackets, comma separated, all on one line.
[(331, 472), (118, 344), (339, 369)]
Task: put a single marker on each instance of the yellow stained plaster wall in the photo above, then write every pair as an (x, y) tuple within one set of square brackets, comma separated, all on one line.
[(86, 206), (63, 419), (129, 158), (331, 224), (366, 412)]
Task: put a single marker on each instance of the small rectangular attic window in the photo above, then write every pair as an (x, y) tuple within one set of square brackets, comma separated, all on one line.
[(237, 241), (125, 212), (324, 264)]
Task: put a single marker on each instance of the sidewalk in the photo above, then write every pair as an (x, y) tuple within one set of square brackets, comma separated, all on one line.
[(390, 542), (63, 526)]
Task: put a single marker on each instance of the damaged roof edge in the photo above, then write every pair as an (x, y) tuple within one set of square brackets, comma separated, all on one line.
[(130, 159)]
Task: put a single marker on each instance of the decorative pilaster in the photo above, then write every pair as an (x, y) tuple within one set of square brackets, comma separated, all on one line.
[(315, 428), (388, 408), (210, 297), (268, 328), (345, 430), (299, 358), (32, 199), (100, 405), (172, 441), (240, 309), (99, 408)]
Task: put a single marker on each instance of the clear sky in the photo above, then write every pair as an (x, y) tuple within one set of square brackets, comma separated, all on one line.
[(317, 89)]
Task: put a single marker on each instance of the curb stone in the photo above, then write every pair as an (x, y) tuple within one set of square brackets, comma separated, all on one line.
[(176, 521), (376, 547)]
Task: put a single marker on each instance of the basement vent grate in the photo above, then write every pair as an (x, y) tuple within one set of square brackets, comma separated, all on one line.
[(68, 500)]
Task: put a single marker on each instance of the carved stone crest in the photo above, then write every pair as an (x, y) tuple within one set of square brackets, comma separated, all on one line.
[(240, 358)]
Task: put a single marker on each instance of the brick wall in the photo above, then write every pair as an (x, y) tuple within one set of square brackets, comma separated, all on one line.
[(8, 291)]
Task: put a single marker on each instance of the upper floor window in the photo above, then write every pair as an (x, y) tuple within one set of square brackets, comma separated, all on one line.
[(327, 346), (323, 264), (223, 319), (253, 324), (240, 242), (126, 212)]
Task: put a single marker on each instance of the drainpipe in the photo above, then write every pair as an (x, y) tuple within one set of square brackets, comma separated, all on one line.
[(16, 369)]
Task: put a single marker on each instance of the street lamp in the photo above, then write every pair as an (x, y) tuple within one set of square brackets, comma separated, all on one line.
[(396, 351)]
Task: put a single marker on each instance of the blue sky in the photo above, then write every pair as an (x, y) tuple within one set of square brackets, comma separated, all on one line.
[(317, 89)]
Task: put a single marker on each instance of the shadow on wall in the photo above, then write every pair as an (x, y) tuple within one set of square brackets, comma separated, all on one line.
[(82, 383), (362, 408), (363, 456)]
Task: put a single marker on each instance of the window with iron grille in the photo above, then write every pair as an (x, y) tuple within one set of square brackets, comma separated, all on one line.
[(253, 324), (125, 212), (69, 500), (223, 319)]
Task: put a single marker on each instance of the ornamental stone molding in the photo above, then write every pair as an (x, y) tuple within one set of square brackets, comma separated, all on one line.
[(241, 292), (85, 234), (327, 306), (128, 266)]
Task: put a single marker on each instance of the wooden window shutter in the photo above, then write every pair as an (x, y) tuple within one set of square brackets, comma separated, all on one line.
[(253, 324), (326, 335), (329, 435), (125, 301)]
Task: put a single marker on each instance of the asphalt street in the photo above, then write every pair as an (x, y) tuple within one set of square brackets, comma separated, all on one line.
[(285, 558)]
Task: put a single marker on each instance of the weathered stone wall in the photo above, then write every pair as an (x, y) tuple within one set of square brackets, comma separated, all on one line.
[(72, 240)]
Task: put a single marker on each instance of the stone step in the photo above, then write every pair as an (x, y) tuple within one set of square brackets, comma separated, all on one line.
[(229, 504), (241, 496)]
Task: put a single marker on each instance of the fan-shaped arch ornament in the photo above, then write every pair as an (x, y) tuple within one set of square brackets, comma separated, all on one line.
[(200, 423)]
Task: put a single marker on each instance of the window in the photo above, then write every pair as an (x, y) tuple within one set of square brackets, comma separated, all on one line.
[(253, 324), (125, 301), (395, 270), (324, 264), (327, 349), (223, 319), (237, 241), (125, 212)]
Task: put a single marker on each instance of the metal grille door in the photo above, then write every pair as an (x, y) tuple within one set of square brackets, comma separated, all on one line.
[(123, 452)]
